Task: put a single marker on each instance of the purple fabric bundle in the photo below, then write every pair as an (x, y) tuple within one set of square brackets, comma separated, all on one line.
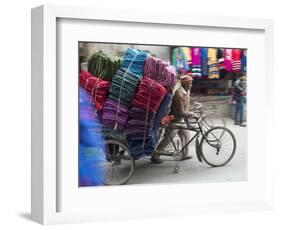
[(140, 122), (160, 71), (114, 115)]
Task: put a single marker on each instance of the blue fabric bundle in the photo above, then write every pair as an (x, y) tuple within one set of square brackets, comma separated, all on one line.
[(139, 146), (134, 60), (163, 109), (124, 86)]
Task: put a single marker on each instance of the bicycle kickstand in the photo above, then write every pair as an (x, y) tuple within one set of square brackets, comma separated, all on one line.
[(177, 158)]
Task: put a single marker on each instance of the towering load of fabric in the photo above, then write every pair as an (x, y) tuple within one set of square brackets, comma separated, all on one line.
[(196, 63), (97, 87), (139, 128), (101, 64), (213, 63), (160, 71), (124, 85)]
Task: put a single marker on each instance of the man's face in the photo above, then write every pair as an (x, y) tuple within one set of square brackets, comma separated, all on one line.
[(187, 86)]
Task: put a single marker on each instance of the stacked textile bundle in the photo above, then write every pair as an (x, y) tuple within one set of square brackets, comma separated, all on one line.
[(114, 115), (160, 71), (100, 64), (124, 85), (98, 88), (134, 60), (123, 88), (139, 128), (140, 122), (149, 95)]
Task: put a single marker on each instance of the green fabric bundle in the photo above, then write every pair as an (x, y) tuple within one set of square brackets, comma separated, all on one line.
[(101, 64)]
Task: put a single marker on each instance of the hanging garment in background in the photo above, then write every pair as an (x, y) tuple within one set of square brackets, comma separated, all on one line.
[(187, 52), (228, 59), (196, 63), (213, 63), (179, 60), (236, 60), (244, 61), (220, 56), (204, 61)]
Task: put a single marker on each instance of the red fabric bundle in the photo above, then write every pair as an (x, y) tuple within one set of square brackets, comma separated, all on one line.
[(149, 95), (98, 88)]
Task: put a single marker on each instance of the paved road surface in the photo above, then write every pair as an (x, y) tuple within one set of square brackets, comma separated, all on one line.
[(193, 171)]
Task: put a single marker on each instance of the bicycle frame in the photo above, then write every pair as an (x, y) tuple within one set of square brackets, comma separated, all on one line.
[(198, 130)]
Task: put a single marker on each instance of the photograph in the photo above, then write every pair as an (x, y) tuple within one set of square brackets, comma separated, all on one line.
[(162, 114)]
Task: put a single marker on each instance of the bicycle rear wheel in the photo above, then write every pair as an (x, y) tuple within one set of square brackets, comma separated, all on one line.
[(117, 166), (218, 146)]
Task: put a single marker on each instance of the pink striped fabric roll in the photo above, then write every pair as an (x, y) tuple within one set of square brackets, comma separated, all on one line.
[(160, 71)]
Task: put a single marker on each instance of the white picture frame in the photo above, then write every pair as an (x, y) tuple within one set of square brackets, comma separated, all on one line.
[(45, 168)]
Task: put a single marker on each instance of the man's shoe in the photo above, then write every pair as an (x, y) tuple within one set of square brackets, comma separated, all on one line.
[(156, 160), (236, 123), (186, 158), (243, 125)]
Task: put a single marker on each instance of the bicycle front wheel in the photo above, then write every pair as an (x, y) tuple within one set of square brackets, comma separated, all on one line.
[(218, 146), (214, 121)]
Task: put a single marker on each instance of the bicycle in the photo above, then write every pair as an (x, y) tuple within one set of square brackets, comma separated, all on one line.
[(216, 146)]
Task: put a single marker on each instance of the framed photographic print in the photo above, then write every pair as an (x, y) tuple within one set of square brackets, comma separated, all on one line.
[(137, 114)]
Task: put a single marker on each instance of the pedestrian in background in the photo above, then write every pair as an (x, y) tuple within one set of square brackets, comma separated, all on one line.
[(239, 99)]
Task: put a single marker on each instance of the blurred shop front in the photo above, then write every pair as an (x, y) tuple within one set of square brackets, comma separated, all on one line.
[(214, 70)]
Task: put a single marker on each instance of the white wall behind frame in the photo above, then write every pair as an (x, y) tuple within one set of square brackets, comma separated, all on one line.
[(15, 205)]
